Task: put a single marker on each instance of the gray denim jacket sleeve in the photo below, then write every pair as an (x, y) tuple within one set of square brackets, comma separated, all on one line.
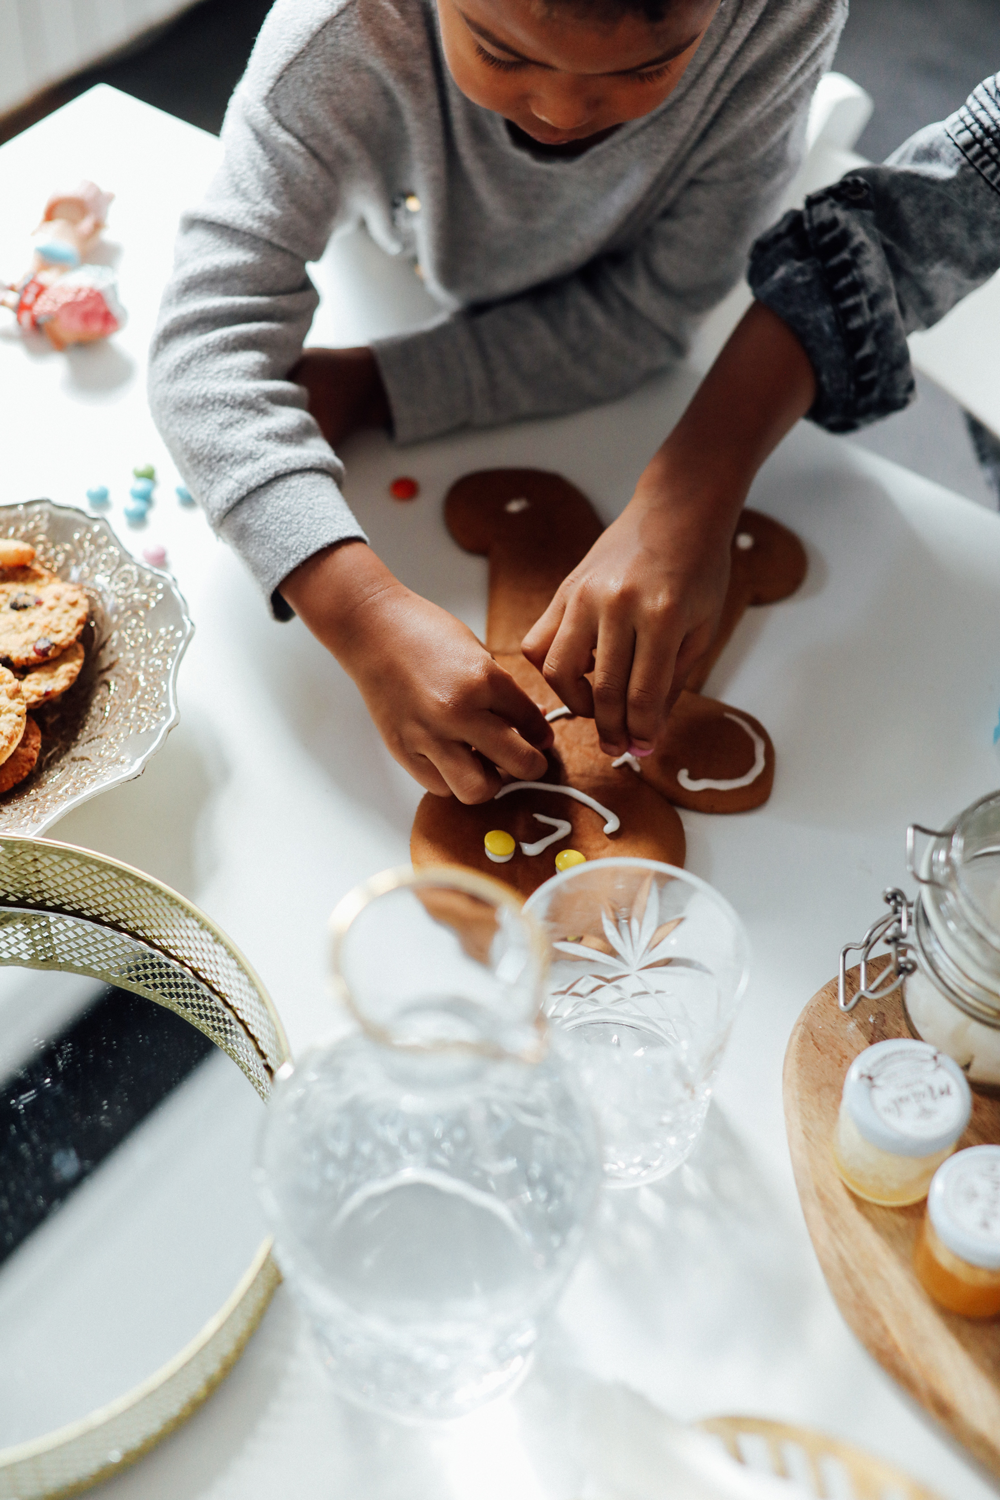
[(885, 251)]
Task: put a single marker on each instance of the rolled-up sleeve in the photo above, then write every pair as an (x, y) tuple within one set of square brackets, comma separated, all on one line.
[(886, 251)]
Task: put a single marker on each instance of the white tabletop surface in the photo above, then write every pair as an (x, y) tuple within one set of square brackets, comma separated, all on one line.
[(879, 683)]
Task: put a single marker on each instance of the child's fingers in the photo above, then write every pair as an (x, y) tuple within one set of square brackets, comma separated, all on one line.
[(616, 645), (495, 739), (649, 686), (468, 776), (537, 642), (510, 702), (569, 658)]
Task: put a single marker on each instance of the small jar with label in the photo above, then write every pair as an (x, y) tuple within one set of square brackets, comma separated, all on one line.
[(958, 1253), (903, 1109)]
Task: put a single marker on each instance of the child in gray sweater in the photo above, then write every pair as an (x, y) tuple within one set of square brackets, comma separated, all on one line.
[(579, 181)]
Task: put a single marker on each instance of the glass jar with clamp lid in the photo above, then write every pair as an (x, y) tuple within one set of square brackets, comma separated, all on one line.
[(945, 943)]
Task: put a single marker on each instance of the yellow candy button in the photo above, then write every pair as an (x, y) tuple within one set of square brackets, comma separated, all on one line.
[(499, 846), (567, 858)]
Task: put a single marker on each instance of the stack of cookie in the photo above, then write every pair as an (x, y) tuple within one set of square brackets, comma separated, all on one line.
[(41, 621)]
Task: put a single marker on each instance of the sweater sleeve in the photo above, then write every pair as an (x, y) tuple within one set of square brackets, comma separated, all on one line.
[(231, 326), (884, 252), (596, 334)]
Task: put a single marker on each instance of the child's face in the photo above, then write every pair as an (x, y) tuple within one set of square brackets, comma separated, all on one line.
[(562, 76)]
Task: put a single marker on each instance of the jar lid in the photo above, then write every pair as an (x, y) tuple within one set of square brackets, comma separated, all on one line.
[(907, 1098), (964, 1205)]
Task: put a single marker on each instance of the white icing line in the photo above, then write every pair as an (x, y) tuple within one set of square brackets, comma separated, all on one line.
[(558, 713), (562, 827), (706, 784), (613, 821), (499, 859), (628, 759)]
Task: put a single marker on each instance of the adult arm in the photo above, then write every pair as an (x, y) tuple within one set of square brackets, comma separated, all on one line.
[(883, 252)]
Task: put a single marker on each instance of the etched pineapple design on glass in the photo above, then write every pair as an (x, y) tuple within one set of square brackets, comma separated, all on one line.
[(649, 965)]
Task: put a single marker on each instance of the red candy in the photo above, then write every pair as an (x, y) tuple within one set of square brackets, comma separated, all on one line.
[(404, 488)]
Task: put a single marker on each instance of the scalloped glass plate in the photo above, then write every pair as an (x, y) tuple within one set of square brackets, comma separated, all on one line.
[(124, 703)]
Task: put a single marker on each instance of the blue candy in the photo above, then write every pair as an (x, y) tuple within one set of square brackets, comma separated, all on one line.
[(142, 490), (136, 514), (184, 495), (99, 496)]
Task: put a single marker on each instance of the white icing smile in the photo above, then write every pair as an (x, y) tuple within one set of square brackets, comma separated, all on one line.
[(562, 827), (558, 713), (706, 784), (613, 822)]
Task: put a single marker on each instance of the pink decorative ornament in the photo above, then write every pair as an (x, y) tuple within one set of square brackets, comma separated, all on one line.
[(78, 308), (71, 302)]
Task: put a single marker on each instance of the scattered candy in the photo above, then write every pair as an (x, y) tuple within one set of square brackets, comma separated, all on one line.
[(567, 859), (996, 732), (142, 490), (98, 497), (499, 846), (184, 495), (146, 472), (404, 488), (156, 555), (136, 513)]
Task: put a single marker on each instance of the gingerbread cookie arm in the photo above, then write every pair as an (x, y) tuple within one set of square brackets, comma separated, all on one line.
[(534, 528), (767, 563), (714, 758)]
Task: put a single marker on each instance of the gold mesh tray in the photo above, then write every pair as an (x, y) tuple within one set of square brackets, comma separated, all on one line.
[(70, 910), (823, 1466)]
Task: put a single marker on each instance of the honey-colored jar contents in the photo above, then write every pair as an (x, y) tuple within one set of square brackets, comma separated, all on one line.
[(953, 1282), (881, 1176)]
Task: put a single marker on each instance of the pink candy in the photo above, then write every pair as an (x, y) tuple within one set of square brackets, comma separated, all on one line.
[(155, 555)]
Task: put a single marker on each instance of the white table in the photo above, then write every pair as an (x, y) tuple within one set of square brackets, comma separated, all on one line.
[(879, 683)]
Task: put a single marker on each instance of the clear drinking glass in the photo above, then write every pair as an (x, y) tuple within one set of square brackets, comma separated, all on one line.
[(648, 967), (429, 1178)]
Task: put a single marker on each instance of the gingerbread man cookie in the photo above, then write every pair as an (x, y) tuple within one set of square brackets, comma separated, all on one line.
[(534, 528)]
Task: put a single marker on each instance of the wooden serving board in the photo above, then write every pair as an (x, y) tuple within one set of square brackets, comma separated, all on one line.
[(950, 1364)]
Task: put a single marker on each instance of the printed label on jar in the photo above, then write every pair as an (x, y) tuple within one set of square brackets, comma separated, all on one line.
[(971, 1197), (913, 1094)]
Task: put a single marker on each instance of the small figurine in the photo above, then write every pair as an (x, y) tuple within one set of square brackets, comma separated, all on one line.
[(61, 296)]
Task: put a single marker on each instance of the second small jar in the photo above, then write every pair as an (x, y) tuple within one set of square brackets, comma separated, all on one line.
[(903, 1109), (958, 1252)]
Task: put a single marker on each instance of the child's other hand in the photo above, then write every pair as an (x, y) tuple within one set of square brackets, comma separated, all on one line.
[(637, 613), (345, 391), (431, 688)]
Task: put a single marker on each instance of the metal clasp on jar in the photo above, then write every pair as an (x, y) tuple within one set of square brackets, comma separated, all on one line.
[(892, 930)]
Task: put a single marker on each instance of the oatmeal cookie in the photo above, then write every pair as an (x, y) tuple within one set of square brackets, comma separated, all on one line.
[(39, 618), (50, 680), (21, 764), (15, 553), (12, 713)]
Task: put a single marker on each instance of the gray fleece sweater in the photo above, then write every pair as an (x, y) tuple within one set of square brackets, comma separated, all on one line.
[(562, 282)]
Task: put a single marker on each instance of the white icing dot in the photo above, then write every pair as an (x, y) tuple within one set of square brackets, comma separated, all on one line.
[(744, 541), (513, 507)]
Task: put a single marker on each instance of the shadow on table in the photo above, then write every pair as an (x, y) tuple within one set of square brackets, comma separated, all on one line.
[(154, 821)]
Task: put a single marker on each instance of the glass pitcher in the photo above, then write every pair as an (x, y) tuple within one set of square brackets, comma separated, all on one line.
[(429, 1178)]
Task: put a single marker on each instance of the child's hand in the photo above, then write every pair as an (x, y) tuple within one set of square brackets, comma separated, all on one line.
[(345, 391), (643, 605), (637, 612), (433, 691)]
